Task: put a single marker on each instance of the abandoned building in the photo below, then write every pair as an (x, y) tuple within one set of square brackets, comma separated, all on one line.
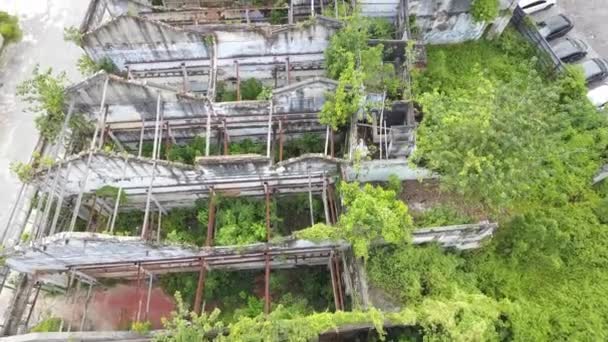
[(172, 56)]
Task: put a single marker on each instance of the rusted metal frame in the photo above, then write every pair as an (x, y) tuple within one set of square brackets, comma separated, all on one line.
[(144, 230), (16, 205), (226, 138), (72, 301), (215, 262), (290, 13), (338, 281), (160, 216), (115, 140), (312, 214), (290, 261), (51, 193), (200, 287), (59, 203), (326, 141), (238, 80), (332, 203), (32, 305), (161, 125), (186, 82), (281, 140), (211, 219), (331, 141), (334, 289), (380, 126), (267, 284), (225, 254), (141, 137), (91, 213), (149, 296), (86, 307), (287, 71), (117, 201), (267, 254), (138, 294), (208, 132), (386, 133), (103, 127), (269, 138), (325, 204), (90, 156)]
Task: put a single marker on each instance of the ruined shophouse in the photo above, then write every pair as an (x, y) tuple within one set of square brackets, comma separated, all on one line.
[(171, 57)]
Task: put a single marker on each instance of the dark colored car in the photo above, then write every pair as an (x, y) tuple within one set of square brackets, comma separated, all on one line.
[(595, 69), (571, 50), (555, 27)]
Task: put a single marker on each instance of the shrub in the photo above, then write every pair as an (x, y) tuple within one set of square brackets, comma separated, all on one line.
[(485, 10), (9, 28), (50, 324)]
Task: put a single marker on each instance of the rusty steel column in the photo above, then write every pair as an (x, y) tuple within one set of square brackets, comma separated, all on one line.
[(200, 288), (290, 13), (267, 255), (86, 307), (267, 284), (238, 81), (281, 140), (149, 295), (267, 193), (338, 281), (331, 142), (332, 273), (186, 82), (138, 293), (225, 131), (287, 71), (91, 214), (211, 220)]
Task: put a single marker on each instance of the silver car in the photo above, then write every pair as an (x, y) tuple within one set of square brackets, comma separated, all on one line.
[(595, 69), (571, 50)]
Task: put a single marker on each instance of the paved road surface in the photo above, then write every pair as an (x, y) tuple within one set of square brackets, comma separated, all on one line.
[(42, 22), (591, 20)]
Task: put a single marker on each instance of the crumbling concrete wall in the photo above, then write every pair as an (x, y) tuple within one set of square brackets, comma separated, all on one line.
[(307, 96), (450, 21), (127, 40)]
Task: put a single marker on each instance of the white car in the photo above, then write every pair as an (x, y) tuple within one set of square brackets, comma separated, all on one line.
[(533, 6), (599, 96)]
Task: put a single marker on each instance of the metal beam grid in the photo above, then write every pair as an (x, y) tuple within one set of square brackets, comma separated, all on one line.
[(178, 184)]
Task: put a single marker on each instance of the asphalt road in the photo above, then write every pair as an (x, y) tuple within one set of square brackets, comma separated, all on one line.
[(590, 20), (42, 22)]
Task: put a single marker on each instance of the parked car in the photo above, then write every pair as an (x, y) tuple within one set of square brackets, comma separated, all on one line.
[(571, 50), (555, 27), (533, 6), (599, 96), (595, 69)]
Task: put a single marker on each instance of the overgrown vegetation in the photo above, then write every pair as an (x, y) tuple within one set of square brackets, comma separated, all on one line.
[(9, 28), (88, 66), (485, 10), (373, 215), (526, 145), (45, 92), (50, 324)]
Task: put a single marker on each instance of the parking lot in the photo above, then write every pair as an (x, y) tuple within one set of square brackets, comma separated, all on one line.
[(590, 25)]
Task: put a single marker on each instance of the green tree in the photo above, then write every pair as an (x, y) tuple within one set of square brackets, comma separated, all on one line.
[(9, 28), (373, 215), (45, 92)]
